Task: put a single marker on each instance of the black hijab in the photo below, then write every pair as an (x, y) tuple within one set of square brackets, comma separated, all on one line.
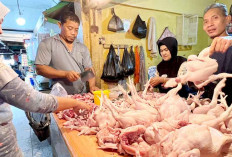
[(171, 67)]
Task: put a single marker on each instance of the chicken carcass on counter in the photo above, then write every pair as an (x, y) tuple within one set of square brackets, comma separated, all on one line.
[(148, 124)]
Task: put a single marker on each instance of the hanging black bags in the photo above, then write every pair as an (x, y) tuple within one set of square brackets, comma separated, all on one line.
[(112, 71), (139, 28), (127, 65), (132, 56)]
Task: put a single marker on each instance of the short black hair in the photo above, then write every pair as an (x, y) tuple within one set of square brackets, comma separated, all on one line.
[(69, 15)]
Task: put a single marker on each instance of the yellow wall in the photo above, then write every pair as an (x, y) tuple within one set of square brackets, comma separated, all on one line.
[(163, 19), (177, 6), (165, 13), (228, 3)]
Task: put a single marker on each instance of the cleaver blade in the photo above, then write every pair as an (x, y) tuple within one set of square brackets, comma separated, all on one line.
[(86, 75)]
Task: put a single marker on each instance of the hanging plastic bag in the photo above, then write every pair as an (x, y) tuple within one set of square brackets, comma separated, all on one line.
[(139, 28), (115, 23), (58, 90), (119, 65), (132, 56), (40, 122), (121, 82), (111, 70), (128, 67)]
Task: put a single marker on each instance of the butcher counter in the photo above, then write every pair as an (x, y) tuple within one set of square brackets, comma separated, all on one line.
[(67, 143)]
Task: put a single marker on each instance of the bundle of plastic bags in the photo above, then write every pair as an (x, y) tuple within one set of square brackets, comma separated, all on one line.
[(112, 70)]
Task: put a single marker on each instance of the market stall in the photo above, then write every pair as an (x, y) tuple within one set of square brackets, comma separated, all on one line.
[(134, 46), (81, 146)]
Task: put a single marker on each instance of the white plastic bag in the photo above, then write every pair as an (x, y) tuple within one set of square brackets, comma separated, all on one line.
[(58, 90)]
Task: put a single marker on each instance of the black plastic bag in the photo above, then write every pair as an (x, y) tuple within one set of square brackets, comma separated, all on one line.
[(40, 123), (127, 65), (139, 28), (119, 67), (112, 71), (132, 56)]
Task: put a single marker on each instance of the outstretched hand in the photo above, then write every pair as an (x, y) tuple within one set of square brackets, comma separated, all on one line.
[(220, 44), (82, 105)]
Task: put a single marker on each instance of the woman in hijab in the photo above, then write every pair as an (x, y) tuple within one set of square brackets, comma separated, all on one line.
[(170, 64)]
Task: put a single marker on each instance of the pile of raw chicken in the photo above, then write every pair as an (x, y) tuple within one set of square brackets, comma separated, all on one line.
[(162, 125)]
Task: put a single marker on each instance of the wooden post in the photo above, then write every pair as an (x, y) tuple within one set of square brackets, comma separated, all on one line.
[(96, 48), (91, 40)]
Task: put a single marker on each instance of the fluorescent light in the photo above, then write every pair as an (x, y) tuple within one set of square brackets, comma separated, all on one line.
[(20, 21)]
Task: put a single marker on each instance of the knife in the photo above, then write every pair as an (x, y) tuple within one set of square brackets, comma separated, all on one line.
[(86, 75)]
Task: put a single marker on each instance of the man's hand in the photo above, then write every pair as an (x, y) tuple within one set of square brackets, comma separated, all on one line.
[(154, 81), (72, 76), (220, 44)]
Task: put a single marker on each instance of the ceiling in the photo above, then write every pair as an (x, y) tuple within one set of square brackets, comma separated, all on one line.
[(31, 10), (12, 40)]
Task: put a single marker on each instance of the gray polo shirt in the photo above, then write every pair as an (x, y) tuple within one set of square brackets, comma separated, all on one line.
[(53, 52)]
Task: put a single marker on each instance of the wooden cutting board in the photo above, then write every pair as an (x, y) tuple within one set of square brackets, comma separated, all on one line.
[(84, 145)]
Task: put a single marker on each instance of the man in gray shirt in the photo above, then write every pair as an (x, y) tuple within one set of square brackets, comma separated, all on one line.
[(14, 91), (62, 58)]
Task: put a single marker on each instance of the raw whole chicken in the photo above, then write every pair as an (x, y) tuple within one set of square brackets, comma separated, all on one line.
[(162, 125)]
